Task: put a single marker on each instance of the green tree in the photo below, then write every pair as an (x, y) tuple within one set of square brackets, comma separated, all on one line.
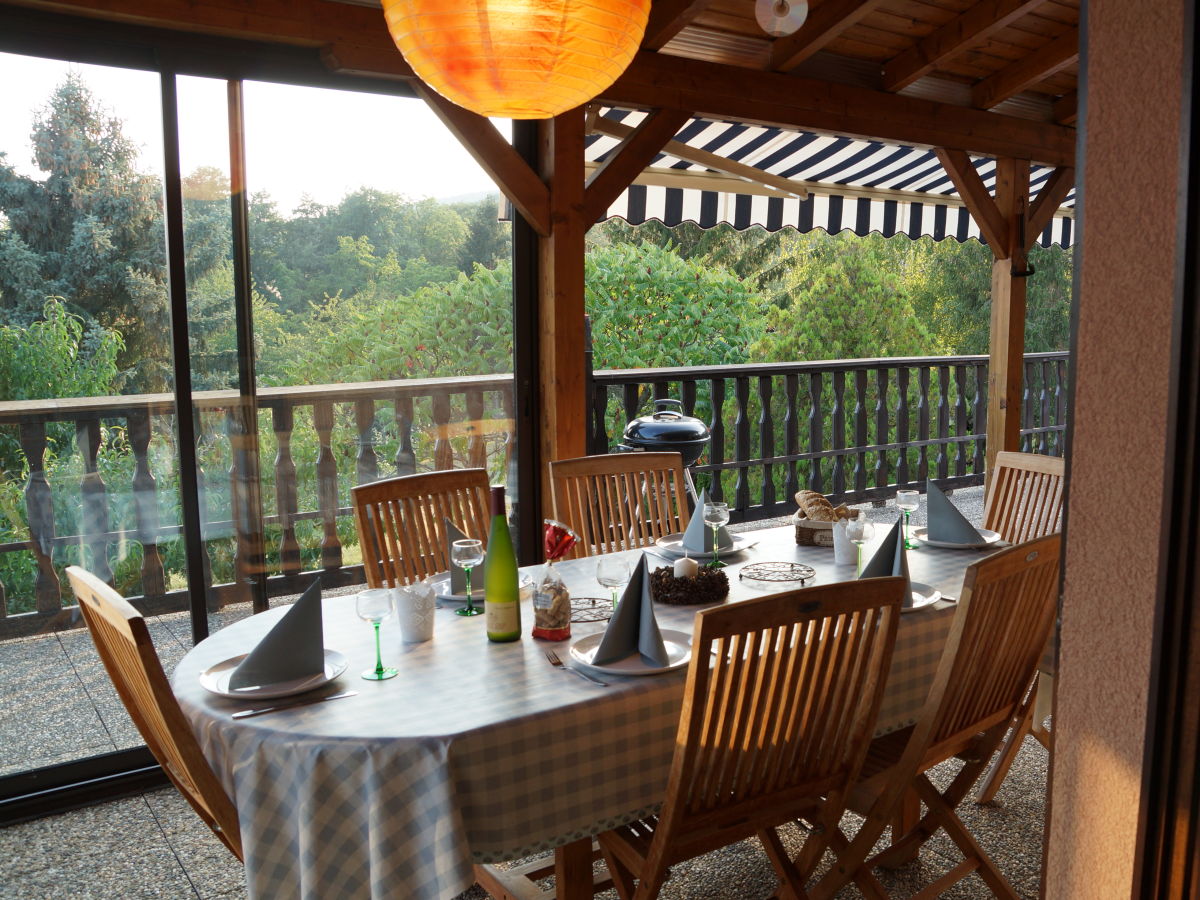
[(92, 227), (488, 241)]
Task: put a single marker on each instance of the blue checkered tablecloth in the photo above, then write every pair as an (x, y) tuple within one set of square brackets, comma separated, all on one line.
[(476, 752)]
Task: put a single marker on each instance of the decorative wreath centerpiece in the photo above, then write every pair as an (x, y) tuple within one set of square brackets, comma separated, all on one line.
[(706, 586)]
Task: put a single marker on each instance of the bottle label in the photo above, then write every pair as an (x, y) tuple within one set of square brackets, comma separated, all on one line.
[(503, 619)]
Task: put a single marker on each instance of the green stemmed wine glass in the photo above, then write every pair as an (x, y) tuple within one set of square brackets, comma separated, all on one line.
[(467, 555), (908, 501), (374, 606), (716, 515)]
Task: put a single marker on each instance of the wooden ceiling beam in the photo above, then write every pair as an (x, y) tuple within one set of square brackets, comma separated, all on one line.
[(1066, 108), (1025, 73), (823, 25), (718, 91), (971, 28), (680, 150), (1049, 198), (625, 162), (495, 156), (977, 198), (668, 18)]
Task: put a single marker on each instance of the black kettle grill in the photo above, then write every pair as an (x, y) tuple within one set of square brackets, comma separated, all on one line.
[(667, 430)]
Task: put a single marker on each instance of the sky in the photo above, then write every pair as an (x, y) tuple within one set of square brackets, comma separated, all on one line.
[(299, 140)]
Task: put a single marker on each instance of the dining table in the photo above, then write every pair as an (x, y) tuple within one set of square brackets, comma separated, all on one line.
[(481, 752)]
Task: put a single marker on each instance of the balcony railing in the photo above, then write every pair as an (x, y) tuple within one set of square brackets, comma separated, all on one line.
[(856, 429)]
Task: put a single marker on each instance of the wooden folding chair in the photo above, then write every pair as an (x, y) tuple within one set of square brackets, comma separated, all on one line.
[(780, 703), (1025, 498), (1004, 614), (619, 501), (401, 522), (124, 645)]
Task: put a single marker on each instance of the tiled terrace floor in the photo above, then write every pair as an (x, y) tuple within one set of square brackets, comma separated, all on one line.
[(59, 705)]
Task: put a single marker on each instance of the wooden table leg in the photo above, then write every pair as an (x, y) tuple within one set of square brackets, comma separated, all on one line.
[(573, 870)]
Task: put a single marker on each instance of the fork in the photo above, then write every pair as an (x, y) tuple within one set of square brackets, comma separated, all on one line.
[(559, 664)]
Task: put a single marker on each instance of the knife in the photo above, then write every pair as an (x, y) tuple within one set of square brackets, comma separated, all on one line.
[(247, 713)]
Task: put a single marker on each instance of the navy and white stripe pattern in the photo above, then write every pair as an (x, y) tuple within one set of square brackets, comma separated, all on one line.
[(835, 162)]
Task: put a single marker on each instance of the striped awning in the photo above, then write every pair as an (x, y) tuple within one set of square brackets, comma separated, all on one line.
[(856, 185)]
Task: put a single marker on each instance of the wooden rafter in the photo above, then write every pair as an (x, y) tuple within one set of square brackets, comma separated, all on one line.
[(960, 34), (496, 156), (823, 25), (681, 150), (1066, 108), (626, 161), (668, 18), (977, 199), (1025, 73), (1049, 198), (719, 91)]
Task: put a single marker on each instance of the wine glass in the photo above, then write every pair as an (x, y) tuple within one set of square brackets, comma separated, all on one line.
[(374, 606), (612, 572), (907, 501), (467, 555), (716, 515), (859, 531)]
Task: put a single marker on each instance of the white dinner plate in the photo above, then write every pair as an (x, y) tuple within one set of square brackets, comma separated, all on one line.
[(441, 587), (672, 545), (922, 595), (989, 537), (679, 653), (216, 679)]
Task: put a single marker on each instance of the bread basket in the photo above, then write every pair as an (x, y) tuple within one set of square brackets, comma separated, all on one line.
[(810, 533)]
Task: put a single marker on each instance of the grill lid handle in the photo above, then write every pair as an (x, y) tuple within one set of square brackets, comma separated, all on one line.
[(660, 414)]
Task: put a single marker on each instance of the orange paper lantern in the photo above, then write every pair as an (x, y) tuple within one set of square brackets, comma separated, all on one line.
[(517, 59)]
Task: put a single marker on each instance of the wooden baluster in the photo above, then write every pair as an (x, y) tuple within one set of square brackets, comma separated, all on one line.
[(902, 376), (245, 500), (1060, 406), (766, 439), (212, 599), (406, 458), (599, 438), (923, 423), (882, 426), (145, 502), (943, 420), (286, 502), (741, 431), (661, 391), (791, 434), (960, 419), (39, 507), (443, 450), (979, 418), (476, 446), (366, 462), (630, 397), (1027, 409), (510, 438), (860, 430), (1044, 437), (327, 486), (716, 453), (687, 394), (816, 431), (839, 432), (95, 499)]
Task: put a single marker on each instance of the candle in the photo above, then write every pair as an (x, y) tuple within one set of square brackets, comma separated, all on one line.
[(686, 567)]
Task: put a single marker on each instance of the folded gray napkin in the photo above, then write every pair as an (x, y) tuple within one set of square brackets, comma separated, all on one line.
[(890, 558), (294, 648), (699, 537), (945, 522), (633, 628), (458, 577)]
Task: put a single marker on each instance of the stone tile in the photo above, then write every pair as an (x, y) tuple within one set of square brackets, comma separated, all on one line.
[(53, 718)]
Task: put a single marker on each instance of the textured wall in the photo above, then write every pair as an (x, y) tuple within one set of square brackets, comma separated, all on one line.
[(1125, 297)]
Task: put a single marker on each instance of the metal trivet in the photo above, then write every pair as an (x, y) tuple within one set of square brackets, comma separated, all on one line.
[(777, 572), (591, 609)]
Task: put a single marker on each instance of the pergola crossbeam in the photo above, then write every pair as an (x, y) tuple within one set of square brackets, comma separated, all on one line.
[(1066, 108), (823, 25), (668, 18), (971, 28), (1025, 73)]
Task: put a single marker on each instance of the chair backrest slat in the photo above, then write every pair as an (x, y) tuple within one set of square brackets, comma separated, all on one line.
[(619, 501), (1025, 496), (402, 522), (124, 646), (781, 698)]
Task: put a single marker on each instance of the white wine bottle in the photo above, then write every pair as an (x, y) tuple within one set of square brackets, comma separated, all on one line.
[(501, 594)]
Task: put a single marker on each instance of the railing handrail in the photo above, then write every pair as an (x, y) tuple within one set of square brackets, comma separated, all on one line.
[(677, 373)]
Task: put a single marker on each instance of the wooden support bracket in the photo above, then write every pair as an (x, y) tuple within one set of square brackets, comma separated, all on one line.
[(979, 202), (627, 161)]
